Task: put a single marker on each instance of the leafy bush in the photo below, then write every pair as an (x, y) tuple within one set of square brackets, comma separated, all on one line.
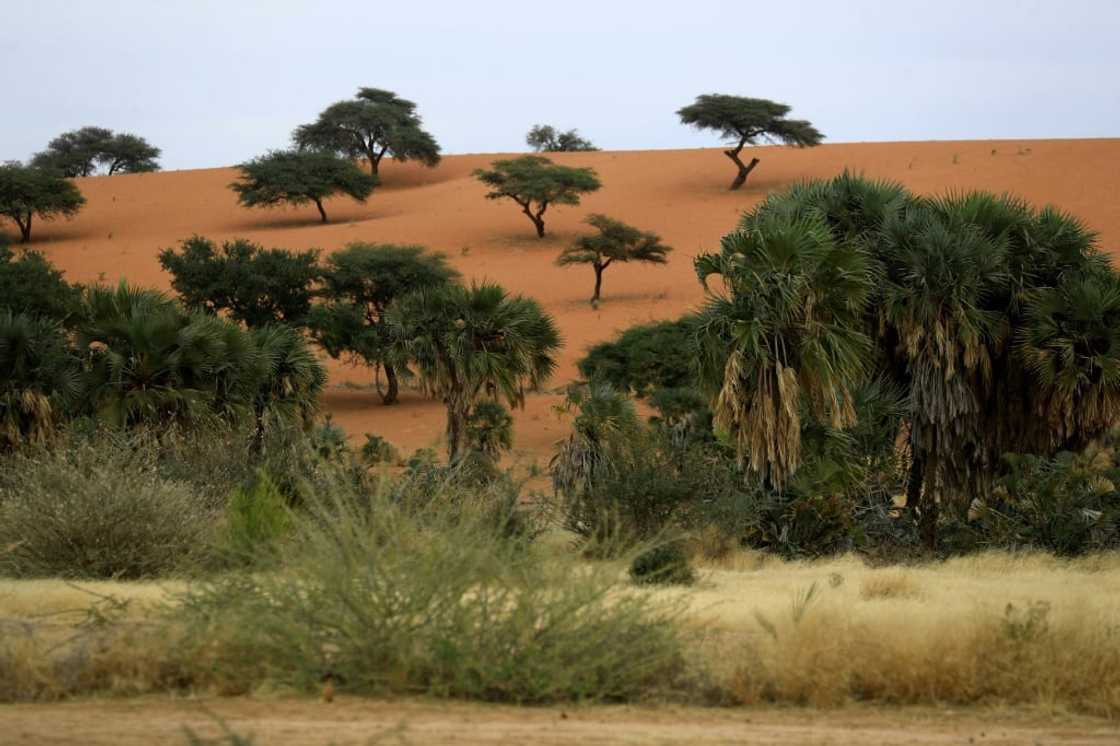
[(665, 564), (90, 511), (389, 600), (256, 517), (377, 450), (490, 430), (32, 285), (1069, 504), (645, 358)]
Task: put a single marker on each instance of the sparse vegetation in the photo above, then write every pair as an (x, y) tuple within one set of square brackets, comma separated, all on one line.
[(535, 183)]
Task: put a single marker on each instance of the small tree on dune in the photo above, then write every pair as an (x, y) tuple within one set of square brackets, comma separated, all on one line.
[(547, 139), (474, 344), (535, 183), (79, 152), (27, 192), (374, 124), (299, 178), (360, 283), (254, 285), (615, 242), (744, 121)]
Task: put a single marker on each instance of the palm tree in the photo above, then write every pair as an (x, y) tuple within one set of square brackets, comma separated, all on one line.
[(605, 420), (290, 379), (149, 361), (785, 327), (39, 378), (471, 344)]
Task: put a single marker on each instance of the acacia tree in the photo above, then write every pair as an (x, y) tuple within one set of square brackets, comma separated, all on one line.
[(535, 182), (298, 178), (360, 283), (375, 123), (744, 121), (474, 344), (254, 285), (615, 242), (78, 153), (546, 138), (26, 192)]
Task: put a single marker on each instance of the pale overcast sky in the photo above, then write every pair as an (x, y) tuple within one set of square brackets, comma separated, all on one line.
[(214, 82)]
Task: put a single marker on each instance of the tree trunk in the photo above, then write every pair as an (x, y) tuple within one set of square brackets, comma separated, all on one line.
[(744, 169), (375, 160), (598, 282), (322, 212), (921, 507), (390, 395), (25, 229), (456, 425)]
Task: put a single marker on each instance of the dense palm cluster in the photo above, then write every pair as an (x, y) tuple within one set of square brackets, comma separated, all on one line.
[(996, 320)]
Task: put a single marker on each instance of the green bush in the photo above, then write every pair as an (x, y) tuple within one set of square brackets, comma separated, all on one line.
[(98, 511), (256, 518), (376, 450), (664, 564), (396, 601)]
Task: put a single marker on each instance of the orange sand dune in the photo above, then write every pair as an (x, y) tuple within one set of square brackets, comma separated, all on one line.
[(680, 194)]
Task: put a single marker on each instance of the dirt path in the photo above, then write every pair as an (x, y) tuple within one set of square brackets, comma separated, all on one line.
[(351, 722)]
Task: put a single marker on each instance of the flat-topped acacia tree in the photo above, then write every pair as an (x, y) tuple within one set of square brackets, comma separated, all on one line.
[(26, 192), (615, 242), (299, 177), (534, 182), (548, 139), (373, 124), (80, 151), (744, 121)]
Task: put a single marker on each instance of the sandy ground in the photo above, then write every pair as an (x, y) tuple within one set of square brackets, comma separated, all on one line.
[(680, 194), (349, 722)]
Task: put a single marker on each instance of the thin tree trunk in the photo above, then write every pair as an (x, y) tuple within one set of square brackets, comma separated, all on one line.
[(375, 160), (598, 282), (744, 168), (322, 212), (390, 396)]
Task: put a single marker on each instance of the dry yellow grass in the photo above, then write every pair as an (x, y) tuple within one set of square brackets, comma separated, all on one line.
[(988, 629)]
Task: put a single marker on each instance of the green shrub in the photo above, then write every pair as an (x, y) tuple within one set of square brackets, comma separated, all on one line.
[(256, 517), (97, 511), (664, 564), (395, 601), (376, 450)]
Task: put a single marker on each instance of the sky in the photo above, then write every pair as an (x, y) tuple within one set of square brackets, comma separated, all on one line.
[(216, 82)]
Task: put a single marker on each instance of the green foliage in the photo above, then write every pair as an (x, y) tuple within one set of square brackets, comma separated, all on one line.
[(646, 357), (27, 192), (500, 622), (786, 328), (298, 178), (535, 183), (376, 123), (254, 285), (489, 430), (545, 138), (30, 284), (39, 379), (360, 283), (1068, 504), (92, 511), (79, 152), (744, 121), (256, 518), (376, 450), (615, 242), (663, 564), (474, 343), (288, 380)]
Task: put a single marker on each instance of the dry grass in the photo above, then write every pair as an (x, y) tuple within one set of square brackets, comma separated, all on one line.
[(990, 629)]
